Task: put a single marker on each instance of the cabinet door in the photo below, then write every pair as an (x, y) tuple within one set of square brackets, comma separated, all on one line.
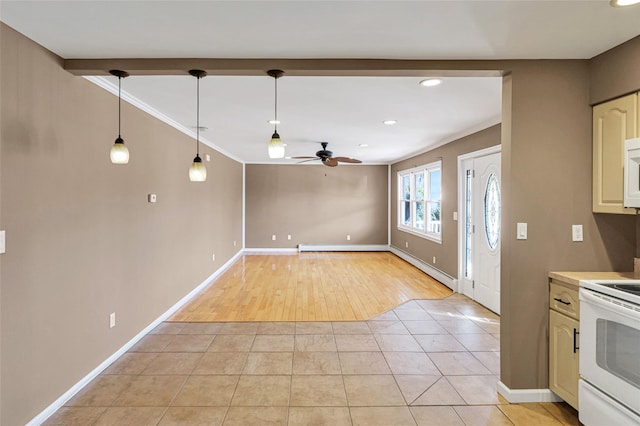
[(613, 122), (563, 361)]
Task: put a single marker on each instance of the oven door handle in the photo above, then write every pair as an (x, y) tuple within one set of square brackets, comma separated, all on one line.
[(617, 306)]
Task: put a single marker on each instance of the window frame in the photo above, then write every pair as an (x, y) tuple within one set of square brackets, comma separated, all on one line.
[(414, 227)]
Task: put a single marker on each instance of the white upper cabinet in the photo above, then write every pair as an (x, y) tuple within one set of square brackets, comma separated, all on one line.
[(613, 123)]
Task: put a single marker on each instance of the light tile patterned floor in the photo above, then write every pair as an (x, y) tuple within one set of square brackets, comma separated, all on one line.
[(427, 362)]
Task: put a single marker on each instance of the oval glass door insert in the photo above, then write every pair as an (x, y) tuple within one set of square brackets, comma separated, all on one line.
[(492, 211)]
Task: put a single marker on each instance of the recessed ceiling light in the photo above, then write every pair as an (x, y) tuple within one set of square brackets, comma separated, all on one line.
[(273, 121), (363, 145), (389, 122), (430, 82), (622, 3)]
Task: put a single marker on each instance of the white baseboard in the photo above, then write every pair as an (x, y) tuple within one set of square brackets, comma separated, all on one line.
[(58, 403), (270, 250), (527, 395), (343, 247), (437, 274)]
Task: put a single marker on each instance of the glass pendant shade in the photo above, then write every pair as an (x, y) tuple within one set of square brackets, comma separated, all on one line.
[(276, 147), (197, 171), (119, 153)]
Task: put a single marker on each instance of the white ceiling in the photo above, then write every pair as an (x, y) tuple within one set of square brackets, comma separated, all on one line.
[(345, 111)]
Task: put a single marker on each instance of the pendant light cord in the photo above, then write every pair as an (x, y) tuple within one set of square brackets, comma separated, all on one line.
[(119, 104), (276, 106), (198, 119)]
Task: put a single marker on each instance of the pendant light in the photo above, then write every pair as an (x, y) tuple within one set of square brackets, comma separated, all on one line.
[(197, 171), (119, 153), (276, 148)]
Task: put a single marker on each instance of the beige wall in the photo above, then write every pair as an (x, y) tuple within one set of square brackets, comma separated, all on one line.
[(615, 72), (82, 241), (446, 253), (546, 173), (315, 204)]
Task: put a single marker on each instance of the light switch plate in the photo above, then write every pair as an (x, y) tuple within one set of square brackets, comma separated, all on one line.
[(521, 231), (2, 242), (576, 233), (152, 198)]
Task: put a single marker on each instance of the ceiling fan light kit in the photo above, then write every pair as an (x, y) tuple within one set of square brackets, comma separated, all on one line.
[(197, 171), (276, 147), (119, 153)]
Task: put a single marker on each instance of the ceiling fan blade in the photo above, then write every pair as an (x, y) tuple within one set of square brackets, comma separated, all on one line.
[(306, 161), (331, 162), (300, 158), (347, 160)]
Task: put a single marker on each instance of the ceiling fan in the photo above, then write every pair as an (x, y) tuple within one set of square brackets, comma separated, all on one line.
[(327, 157)]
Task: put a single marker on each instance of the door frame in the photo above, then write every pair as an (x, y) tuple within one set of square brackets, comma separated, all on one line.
[(462, 288)]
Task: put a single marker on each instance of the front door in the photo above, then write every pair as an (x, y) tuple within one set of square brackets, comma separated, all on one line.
[(479, 229), (486, 212)]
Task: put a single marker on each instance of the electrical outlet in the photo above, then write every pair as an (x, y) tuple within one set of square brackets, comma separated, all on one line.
[(207, 158), (455, 215), (213, 257), (273, 238), (406, 244), (434, 260), (2, 242), (112, 320), (348, 237), (235, 243), (289, 237), (576, 233)]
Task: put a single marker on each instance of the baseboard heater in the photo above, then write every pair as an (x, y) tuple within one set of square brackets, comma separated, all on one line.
[(435, 273)]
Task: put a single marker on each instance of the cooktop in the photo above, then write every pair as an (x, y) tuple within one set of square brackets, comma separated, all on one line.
[(628, 290)]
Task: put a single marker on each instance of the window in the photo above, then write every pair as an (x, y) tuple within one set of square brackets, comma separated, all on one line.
[(419, 203)]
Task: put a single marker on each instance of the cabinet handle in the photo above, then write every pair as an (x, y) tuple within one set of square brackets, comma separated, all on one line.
[(557, 299), (575, 340)]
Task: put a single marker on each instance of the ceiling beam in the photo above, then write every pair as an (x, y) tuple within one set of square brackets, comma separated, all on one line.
[(295, 67)]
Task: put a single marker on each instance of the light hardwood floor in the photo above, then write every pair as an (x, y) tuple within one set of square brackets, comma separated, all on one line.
[(311, 287)]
